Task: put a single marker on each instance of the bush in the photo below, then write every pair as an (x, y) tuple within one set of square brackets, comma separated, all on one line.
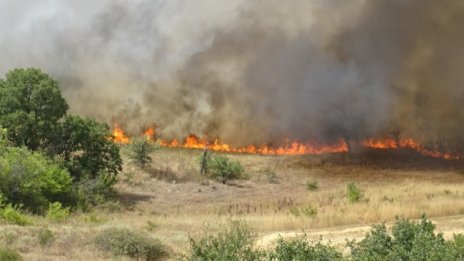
[(235, 243), (32, 181), (312, 185), (139, 152), (300, 249), (45, 237), (223, 169), (95, 191), (13, 215), (409, 241), (57, 213), (124, 242), (9, 255), (354, 193)]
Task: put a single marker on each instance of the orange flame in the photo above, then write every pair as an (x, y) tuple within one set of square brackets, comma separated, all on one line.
[(290, 148), (119, 135)]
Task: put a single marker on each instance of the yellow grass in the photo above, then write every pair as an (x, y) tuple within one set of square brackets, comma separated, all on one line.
[(172, 202)]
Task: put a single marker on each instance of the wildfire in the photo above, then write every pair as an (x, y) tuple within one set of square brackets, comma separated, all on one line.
[(120, 136), (290, 148)]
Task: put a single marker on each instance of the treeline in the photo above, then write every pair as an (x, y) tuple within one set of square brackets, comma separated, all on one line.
[(46, 154)]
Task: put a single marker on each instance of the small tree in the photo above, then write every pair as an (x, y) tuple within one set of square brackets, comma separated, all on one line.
[(223, 169), (139, 152)]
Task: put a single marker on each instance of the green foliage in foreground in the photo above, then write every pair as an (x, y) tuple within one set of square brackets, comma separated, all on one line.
[(32, 181), (9, 255), (408, 241), (224, 169), (124, 242)]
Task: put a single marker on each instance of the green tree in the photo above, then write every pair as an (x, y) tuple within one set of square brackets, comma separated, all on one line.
[(86, 147), (30, 107), (139, 152)]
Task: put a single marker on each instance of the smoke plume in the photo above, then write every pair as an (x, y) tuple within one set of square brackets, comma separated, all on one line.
[(256, 71)]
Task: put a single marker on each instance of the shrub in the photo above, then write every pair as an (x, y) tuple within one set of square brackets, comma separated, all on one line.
[(354, 193), (223, 169), (45, 237), (57, 213), (312, 185), (13, 215), (9, 255), (409, 241), (139, 152), (271, 175), (95, 191), (234, 243), (31, 180), (300, 249), (124, 242)]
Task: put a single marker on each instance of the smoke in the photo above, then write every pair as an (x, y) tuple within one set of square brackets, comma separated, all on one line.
[(251, 71)]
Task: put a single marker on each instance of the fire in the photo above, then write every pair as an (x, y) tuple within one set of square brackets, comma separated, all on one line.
[(119, 135), (289, 148)]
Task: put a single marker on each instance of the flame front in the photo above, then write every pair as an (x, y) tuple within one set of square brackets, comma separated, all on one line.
[(119, 135), (289, 148)]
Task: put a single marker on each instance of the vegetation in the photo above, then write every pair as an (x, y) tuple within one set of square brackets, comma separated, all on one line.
[(234, 243), (45, 154), (124, 242), (312, 185), (45, 237), (7, 254), (408, 241), (353, 193), (139, 152), (13, 215), (57, 213), (224, 169), (31, 180)]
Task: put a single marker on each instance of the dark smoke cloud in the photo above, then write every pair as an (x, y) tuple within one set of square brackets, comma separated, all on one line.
[(251, 71)]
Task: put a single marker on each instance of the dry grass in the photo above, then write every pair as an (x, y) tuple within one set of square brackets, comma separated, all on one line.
[(172, 201)]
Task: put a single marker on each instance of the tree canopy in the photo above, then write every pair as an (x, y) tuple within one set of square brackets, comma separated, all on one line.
[(34, 114)]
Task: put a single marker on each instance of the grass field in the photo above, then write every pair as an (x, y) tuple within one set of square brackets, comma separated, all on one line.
[(279, 196)]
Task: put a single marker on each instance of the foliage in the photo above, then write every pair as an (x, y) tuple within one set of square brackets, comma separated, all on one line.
[(7, 254), (124, 242), (57, 213), (31, 180), (271, 175), (223, 169), (139, 152), (409, 241), (91, 192), (33, 112), (312, 185), (85, 147), (45, 237), (300, 249), (234, 243), (13, 215), (30, 107), (353, 193)]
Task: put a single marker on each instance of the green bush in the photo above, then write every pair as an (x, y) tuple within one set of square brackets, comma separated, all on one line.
[(353, 193), (223, 169), (95, 191), (312, 185), (32, 181), (57, 213), (13, 215), (9, 255), (45, 237), (234, 243), (124, 242), (300, 249), (139, 151), (408, 241)]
